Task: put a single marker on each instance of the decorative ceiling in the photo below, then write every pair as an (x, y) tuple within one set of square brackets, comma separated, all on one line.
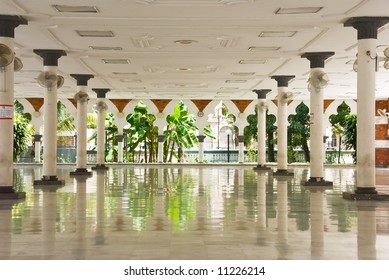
[(193, 49)]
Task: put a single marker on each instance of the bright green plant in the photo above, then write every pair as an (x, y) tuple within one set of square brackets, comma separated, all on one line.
[(350, 134), (22, 135), (180, 133), (299, 129)]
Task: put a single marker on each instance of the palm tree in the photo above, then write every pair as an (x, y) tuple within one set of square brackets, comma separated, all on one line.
[(180, 132)]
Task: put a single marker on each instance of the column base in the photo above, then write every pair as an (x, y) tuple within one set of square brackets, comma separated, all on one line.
[(365, 196), (261, 168), (100, 167), (81, 172), (283, 173), (9, 193), (49, 181), (317, 182)]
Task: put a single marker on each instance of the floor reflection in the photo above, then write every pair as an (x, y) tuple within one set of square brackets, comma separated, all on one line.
[(155, 212)]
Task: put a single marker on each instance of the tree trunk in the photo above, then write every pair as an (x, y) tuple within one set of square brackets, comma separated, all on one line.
[(306, 150)]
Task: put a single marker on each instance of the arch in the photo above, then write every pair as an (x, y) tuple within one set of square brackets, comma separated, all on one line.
[(129, 108), (70, 108), (28, 108), (333, 107)]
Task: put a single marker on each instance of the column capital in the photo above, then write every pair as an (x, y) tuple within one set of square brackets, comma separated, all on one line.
[(317, 59), (82, 79), (119, 138), (50, 57), (160, 138), (37, 138), (282, 80), (241, 138), (367, 27), (81, 96), (261, 93), (8, 24), (201, 138), (101, 92)]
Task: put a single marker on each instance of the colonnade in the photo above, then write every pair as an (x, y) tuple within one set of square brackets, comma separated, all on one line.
[(367, 36)]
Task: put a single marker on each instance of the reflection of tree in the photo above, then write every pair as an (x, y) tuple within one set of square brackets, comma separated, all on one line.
[(345, 214), (181, 199), (299, 208)]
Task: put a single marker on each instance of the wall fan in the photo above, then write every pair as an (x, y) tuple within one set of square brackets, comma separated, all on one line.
[(286, 96), (82, 96), (101, 106), (262, 106), (18, 64), (6, 56), (48, 79), (317, 80)]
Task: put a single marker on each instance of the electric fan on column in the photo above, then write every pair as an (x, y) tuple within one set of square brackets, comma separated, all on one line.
[(101, 106), (18, 65), (48, 79), (6, 56), (317, 80)]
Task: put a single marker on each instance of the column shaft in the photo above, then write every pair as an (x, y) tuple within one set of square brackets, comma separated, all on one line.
[(6, 120), (50, 128), (82, 111), (366, 113), (261, 133), (316, 131), (101, 137), (120, 151), (160, 148), (282, 131), (241, 152)]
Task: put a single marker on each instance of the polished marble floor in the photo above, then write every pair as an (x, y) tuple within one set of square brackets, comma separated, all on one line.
[(191, 212)]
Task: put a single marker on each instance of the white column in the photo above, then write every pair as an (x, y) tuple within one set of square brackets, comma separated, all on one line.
[(317, 60), (261, 126), (7, 27), (120, 148), (50, 64), (366, 114), (160, 148), (282, 125), (201, 148), (367, 28), (101, 108), (82, 111), (37, 151), (241, 149)]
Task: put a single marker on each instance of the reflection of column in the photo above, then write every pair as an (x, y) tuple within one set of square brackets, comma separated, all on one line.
[(261, 203), (37, 151), (282, 125), (241, 149), (80, 245), (49, 206), (261, 127), (82, 111), (317, 223), (50, 65), (5, 229), (367, 232), (282, 218), (201, 207), (120, 139), (367, 28), (317, 60), (101, 108), (160, 139), (201, 148), (99, 237), (7, 34)]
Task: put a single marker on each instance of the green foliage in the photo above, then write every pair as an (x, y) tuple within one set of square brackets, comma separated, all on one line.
[(22, 135), (142, 132), (343, 110), (350, 134), (64, 119), (299, 129), (180, 132)]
